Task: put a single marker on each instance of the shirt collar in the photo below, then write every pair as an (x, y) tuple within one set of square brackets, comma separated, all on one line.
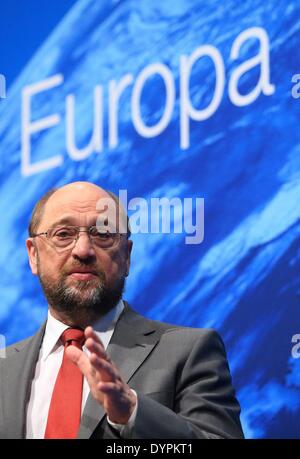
[(54, 328)]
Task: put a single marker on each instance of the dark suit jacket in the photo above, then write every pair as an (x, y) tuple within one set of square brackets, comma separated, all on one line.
[(180, 374)]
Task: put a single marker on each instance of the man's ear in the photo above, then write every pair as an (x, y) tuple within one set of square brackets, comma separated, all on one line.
[(32, 255)]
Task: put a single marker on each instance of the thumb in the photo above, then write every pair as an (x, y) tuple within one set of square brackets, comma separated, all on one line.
[(79, 358), (73, 353)]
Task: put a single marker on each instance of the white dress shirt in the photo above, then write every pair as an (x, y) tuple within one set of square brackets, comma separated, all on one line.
[(48, 365)]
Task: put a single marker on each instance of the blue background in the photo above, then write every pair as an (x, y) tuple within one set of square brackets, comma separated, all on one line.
[(243, 279)]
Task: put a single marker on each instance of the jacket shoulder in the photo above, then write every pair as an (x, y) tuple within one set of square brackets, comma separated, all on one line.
[(181, 333), (16, 347), (19, 346)]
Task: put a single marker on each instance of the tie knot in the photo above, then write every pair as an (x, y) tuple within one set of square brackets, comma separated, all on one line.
[(73, 336)]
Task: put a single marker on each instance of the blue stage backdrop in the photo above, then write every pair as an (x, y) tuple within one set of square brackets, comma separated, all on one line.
[(188, 99)]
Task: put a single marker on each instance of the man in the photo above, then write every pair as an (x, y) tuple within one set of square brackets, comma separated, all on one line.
[(96, 368)]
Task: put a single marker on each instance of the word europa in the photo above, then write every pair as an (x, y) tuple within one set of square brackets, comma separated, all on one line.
[(153, 217), (2, 86), (296, 348), (296, 87), (137, 85), (153, 448)]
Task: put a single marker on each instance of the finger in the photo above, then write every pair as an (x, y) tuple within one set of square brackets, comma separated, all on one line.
[(90, 333), (106, 369), (80, 359), (108, 387), (95, 348)]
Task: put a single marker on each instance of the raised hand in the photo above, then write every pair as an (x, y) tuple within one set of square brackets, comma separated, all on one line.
[(104, 379)]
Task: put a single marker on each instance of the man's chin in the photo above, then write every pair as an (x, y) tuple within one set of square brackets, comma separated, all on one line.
[(81, 292)]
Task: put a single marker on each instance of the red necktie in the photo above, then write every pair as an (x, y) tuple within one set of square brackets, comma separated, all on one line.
[(65, 407)]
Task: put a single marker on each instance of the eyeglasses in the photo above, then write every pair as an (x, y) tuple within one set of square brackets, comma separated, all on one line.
[(65, 237)]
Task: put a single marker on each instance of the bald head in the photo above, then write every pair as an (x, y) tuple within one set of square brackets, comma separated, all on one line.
[(83, 195), (79, 192), (83, 189)]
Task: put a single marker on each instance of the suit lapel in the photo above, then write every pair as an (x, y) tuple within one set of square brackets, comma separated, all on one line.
[(17, 377), (132, 341)]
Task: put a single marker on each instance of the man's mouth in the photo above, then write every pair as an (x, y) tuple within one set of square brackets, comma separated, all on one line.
[(83, 274)]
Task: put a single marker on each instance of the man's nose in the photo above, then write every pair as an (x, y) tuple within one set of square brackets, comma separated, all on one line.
[(83, 247)]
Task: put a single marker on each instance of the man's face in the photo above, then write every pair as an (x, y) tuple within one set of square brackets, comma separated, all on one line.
[(84, 281)]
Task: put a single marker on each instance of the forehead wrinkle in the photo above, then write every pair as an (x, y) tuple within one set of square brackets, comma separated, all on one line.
[(82, 209), (83, 205), (77, 217), (73, 217), (76, 206)]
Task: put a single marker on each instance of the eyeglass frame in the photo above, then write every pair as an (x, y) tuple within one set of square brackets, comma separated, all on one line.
[(79, 230)]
